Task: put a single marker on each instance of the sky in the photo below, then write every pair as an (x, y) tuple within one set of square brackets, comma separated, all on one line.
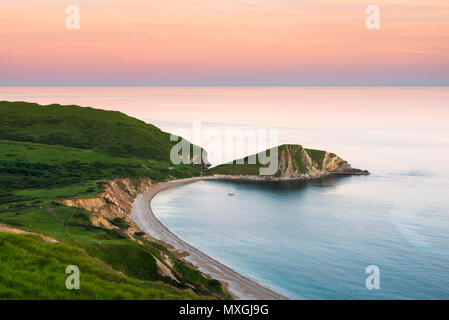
[(224, 42)]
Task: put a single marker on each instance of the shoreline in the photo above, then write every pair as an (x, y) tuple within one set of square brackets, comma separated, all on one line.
[(239, 286)]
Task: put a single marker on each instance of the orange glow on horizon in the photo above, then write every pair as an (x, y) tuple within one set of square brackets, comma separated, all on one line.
[(224, 39)]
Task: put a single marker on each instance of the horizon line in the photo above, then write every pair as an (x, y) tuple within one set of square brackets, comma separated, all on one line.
[(233, 85)]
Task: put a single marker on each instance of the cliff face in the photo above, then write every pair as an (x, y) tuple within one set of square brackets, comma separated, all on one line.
[(294, 162), (115, 202)]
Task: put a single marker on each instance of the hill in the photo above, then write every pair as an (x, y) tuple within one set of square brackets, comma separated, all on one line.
[(110, 132), (52, 153), (293, 162)]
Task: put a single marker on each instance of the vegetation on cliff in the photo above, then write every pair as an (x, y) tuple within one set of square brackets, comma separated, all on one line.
[(293, 161), (52, 153), (31, 268)]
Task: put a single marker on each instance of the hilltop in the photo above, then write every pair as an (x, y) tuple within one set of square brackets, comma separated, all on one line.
[(110, 132)]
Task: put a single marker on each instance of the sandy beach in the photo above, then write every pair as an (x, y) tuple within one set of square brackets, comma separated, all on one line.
[(239, 286)]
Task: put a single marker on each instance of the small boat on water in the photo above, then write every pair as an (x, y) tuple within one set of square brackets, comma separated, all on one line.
[(231, 194)]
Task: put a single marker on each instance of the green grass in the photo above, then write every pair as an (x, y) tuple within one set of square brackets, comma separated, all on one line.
[(316, 155), (298, 159), (72, 226), (194, 277), (49, 153), (120, 223), (33, 269), (240, 167), (236, 169), (128, 257), (29, 165), (109, 132)]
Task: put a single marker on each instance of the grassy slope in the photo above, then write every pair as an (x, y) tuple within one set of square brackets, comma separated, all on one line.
[(30, 165), (35, 173), (32, 268), (111, 132), (253, 169), (245, 168)]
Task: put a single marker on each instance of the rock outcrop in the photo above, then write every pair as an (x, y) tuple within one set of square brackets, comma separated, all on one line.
[(293, 162), (114, 202), (298, 162)]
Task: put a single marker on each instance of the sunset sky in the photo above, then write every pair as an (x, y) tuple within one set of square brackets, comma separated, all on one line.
[(224, 42)]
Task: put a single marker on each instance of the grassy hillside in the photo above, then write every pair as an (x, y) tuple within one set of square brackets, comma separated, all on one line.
[(245, 168), (49, 153), (110, 132), (33, 269), (232, 168), (30, 165)]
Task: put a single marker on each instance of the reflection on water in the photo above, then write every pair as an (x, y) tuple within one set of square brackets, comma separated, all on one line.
[(314, 240)]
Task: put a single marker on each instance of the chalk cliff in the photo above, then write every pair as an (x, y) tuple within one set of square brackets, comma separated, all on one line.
[(115, 202), (293, 162)]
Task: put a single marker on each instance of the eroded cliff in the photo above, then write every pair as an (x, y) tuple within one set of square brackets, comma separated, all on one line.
[(293, 162), (115, 202)]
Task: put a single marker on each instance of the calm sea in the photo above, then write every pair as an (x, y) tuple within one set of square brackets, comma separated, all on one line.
[(313, 240)]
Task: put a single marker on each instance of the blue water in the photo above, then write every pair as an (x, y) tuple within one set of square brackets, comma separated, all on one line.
[(314, 240)]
